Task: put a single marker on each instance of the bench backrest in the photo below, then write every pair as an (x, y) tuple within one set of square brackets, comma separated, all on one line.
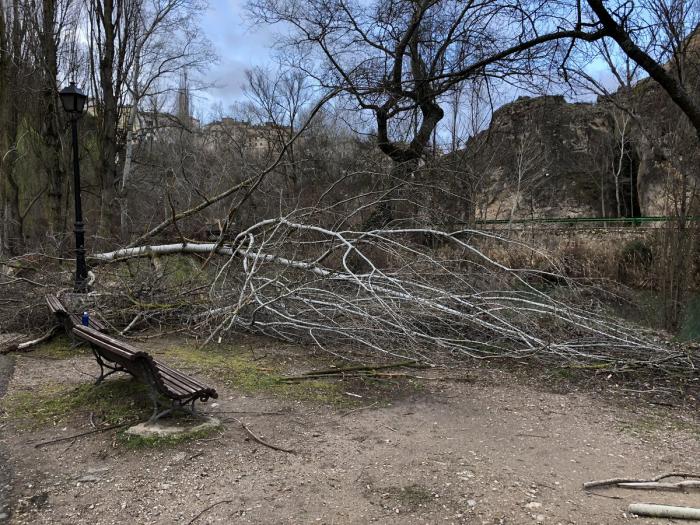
[(143, 366), (69, 319), (137, 362)]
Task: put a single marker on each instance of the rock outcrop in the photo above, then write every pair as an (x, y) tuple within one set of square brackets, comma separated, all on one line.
[(543, 157), (625, 155)]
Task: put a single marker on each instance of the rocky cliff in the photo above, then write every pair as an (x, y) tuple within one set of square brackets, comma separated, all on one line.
[(624, 156)]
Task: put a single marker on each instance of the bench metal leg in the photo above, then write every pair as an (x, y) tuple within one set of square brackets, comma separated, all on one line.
[(187, 406), (103, 366), (157, 415)]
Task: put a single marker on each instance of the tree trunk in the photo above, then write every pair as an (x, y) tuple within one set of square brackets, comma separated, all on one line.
[(51, 132), (10, 52), (108, 124)]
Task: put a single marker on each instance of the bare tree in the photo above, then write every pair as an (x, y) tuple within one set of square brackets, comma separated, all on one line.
[(13, 66), (398, 58), (278, 101), (133, 45), (653, 33), (344, 290)]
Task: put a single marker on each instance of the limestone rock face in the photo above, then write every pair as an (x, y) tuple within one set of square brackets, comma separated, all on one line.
[(543, 157), (546, 157)]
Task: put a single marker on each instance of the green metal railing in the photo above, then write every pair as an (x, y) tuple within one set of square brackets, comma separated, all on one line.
[(623, 221)]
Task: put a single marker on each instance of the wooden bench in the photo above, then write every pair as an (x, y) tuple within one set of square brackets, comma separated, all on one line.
[(70, 319), (178, 389)]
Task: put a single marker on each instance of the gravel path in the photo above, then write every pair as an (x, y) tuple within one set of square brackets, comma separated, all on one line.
[(6, 367), (490, 451)]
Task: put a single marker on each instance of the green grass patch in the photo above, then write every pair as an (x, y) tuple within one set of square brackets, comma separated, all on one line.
[(238, 371), (60, 347), (658, 425), (409, 498), (114, 401), (414, 496)]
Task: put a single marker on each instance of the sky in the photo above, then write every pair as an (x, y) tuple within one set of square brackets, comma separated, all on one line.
[(239, 47)]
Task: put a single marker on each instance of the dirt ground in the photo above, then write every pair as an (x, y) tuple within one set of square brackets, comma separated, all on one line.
[(488, 446)]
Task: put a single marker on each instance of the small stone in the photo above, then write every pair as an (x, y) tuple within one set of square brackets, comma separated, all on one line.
[(89, 478), (533, 505), (471, 503), (97, 470)]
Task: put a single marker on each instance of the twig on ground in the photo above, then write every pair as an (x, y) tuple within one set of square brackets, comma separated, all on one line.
[(655, 485), (131, 324), (602, 495), (620, 481), (209, 508), (74, 436), (335, 371), (247, 413), (372, 374), (358, 409), (259, 440)]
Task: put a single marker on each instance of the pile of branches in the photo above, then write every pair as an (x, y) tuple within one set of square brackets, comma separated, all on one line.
[(413, 293), (24, 282)]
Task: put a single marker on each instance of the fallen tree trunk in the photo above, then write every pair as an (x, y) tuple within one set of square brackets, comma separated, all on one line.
[(657, 485), (28, 345), (380, 291), (664, 511)]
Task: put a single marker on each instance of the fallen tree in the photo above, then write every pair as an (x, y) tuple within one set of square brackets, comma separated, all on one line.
[(389, 292)]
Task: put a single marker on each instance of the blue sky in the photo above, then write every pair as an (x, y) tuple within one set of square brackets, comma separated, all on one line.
[(239, 47)]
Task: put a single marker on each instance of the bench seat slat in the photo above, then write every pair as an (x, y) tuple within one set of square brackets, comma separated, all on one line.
[(176, 389), (94, 323), (179, 376), (176, 381), (55, 306)]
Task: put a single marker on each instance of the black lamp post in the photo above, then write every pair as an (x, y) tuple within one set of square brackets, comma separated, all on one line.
[(73, 100)]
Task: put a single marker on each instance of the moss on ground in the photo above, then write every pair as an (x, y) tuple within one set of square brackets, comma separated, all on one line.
[(414, 496), (60, 347), (138, 442), (227, 363), (114, 401), (409, 498)]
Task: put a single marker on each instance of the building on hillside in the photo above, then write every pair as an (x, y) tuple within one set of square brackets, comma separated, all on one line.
[(247, 138)]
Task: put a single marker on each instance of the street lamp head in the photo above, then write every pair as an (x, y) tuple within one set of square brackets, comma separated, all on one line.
[(73, 100)]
